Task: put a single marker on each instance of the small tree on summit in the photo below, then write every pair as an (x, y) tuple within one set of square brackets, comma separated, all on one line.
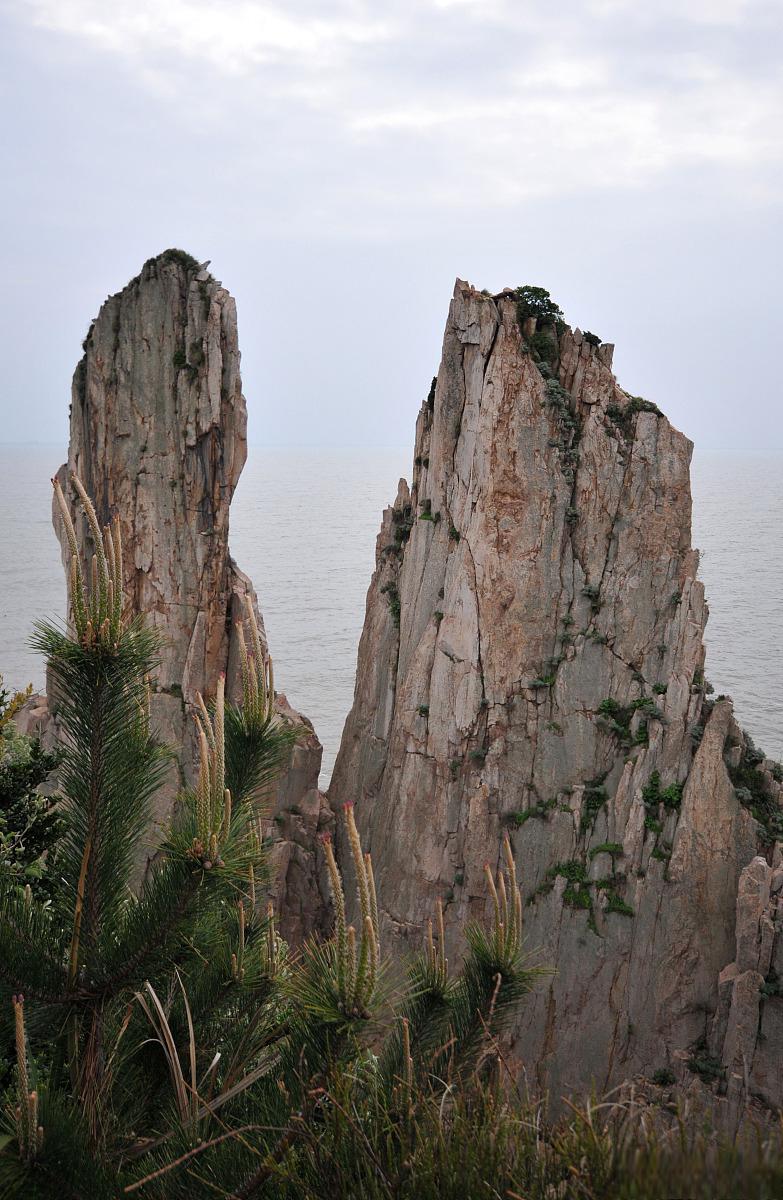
[(536, 302)]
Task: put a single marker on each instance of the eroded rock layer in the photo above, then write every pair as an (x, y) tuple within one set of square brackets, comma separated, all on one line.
[(158, 435), (532, 660)]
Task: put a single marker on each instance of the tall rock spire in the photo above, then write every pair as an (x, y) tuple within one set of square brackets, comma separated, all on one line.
[(158, 435), (532, 659)]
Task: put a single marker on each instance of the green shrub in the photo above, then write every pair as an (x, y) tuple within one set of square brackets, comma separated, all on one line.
[(30, 823), (624, 418), (614, 849), (703, 1064), (594, 799), (615, 904), (392, 594), (180, 257), (540, 811), (402, 519), (182, 1047), (537, 302), (543, 347), (753, 792)]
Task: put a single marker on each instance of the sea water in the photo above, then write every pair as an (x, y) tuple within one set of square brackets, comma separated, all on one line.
[(304, 525)]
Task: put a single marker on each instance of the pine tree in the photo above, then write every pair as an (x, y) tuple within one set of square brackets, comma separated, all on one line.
[(72, 969), (167, 1041)]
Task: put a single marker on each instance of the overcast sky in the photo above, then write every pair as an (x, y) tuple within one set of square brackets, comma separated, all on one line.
[(341, 163)]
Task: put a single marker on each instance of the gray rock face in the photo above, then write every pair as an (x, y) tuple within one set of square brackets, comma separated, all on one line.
[(158, 435), (747, 1029), (532, 659)]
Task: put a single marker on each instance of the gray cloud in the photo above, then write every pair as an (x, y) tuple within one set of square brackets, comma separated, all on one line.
[(341, 162)]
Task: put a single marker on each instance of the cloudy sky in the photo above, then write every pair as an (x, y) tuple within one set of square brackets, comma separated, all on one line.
[(341, 163)]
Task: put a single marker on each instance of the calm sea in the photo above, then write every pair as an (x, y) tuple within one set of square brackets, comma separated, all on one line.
[(303, 526)]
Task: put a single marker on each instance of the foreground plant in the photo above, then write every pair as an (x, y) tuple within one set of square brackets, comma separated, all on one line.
[(82, 958), (166, 1042)]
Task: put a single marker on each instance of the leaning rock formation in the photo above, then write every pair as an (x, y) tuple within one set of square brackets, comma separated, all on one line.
[(532, 660), (158, 435)]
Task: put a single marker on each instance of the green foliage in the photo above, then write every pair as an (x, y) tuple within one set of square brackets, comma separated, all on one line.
[(576, 894), (543, 346), (30, 824), (592, 338), (179, 360), (616, 718), (654, 795), (624, 418), (614, 849), (454, 533), (392, 594), (702, 1063), (172, 1022), (753, 791), (180, 257), (615, 904), (431, 394), (772, 987), (539, 811), (569, 427), (595, 797), (402, 519), (537, 302), (593, 593), (664, 1077)]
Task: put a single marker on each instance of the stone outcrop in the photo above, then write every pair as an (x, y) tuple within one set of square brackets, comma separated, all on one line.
[(158, 435), (746, 1037), (532, 660)]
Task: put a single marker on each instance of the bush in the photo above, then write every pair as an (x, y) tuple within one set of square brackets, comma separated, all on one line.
[(30, 825), (537, 302), (181, 1046), (753, 791), (392, 594)]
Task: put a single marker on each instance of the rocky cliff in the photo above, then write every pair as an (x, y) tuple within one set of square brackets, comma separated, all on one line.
[(158, 435), (532, 659)]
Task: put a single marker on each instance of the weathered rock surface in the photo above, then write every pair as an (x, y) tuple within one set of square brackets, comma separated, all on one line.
[(747, 1029), (532, 660), (158, 435)]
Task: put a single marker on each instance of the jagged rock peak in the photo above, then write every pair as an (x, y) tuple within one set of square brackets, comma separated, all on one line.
[(158, 435), (532, 661)]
